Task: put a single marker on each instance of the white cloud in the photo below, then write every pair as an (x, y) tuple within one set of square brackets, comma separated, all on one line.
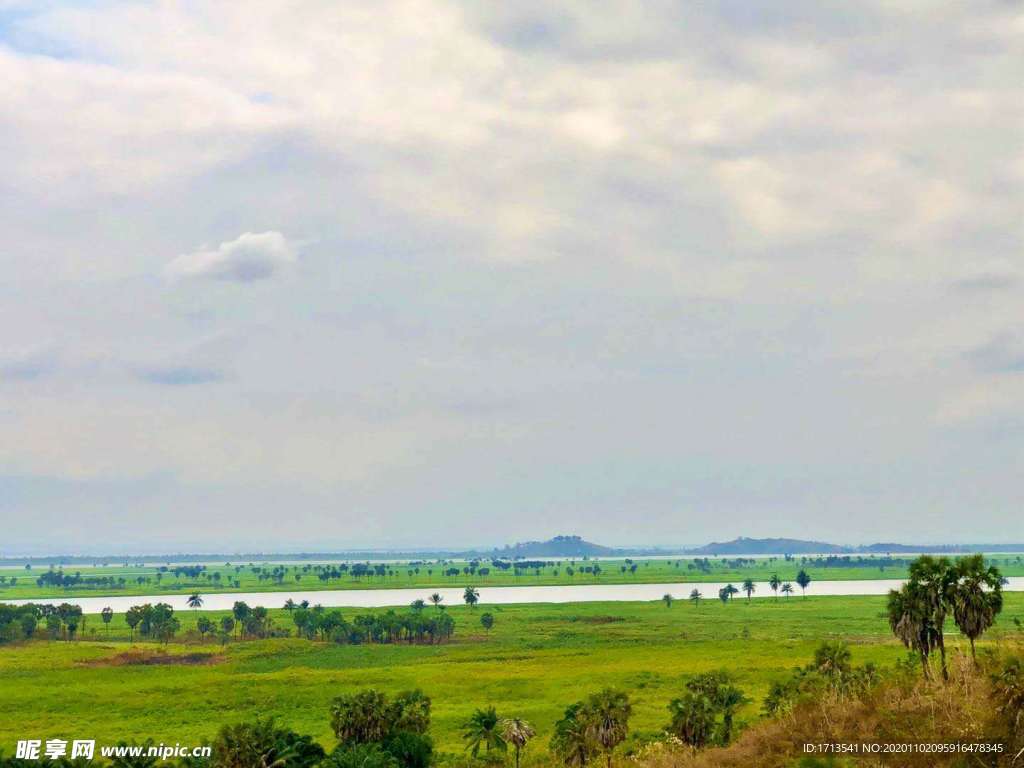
[(249, 257)]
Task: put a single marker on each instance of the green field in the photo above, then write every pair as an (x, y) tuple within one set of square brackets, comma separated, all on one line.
[(535, 661), (268, 577)]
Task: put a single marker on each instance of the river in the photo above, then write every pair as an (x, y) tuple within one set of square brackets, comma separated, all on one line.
[(581, 593)]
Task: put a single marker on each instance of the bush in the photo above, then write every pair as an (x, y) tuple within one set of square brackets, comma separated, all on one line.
[(361, 756), (368, 717), (264, 743), (411, 750)]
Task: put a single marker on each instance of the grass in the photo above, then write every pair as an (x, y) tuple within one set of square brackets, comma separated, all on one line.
[(149, 580), (536, 661)]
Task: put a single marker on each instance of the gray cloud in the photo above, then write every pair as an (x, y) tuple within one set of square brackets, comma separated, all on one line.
[(985, 283), (180, 376), (249, 257), (27, 366), (1002, 354)]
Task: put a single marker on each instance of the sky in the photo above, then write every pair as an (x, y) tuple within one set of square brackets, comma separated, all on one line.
[(285, 276)]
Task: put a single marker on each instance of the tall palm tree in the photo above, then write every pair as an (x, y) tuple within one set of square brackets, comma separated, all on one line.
[(472, 596), (775, 582), (803, 579), (240, 610), (572, 740), (787, 589), (934, 579), (436, 600), (909, 621), (749, 587), (977, 597), (695, 597), (730, 698), (107, 614), (132, 617), (609, 720), (483, 729), (195, 602), (518, 733)]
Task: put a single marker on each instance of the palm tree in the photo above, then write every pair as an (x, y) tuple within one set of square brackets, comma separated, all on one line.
[(695, 597), (107, 614), (730, 698), (436, 600), (482, 729), (240, 610), (132, 617), (609, 720), (571, 740), (518, 733), (471, 596), (908, 620), (803, 579), (775, 582), (832, 659), (723, 695), (195, 602), (977, 597), (693, 718), (667, 600), (290, 605), (749, 587), (934, 580), (787, 589)]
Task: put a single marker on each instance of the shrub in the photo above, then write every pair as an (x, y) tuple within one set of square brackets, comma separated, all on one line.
[(361, 756)]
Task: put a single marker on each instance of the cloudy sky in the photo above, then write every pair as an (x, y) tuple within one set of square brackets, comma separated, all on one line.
[(287, 275)]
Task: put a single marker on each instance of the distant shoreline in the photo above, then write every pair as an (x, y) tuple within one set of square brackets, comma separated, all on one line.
[(564, 548)]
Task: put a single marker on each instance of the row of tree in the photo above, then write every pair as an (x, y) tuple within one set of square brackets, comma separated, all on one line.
[(62, 621), (726, 593)]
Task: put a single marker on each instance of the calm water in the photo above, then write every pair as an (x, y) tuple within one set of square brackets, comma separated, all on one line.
[(375, 598)]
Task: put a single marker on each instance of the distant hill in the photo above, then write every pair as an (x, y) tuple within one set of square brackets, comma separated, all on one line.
[(559, 546), (745, 546)]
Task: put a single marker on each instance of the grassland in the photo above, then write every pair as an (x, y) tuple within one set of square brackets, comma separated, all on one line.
[(535, 661), (261, 577)]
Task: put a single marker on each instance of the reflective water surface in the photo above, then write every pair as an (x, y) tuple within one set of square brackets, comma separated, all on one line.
[(582, 593)]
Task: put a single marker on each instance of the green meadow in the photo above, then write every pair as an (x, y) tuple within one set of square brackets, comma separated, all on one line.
[(535, 661), (269, 577)]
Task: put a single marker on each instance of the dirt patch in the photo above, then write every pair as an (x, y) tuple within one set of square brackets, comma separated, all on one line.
[(152, 658), (598, 619)]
